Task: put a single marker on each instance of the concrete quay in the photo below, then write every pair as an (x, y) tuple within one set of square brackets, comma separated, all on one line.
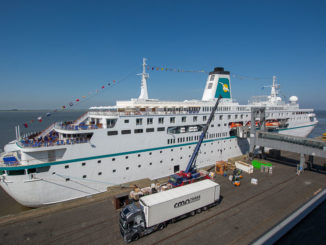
[(244, 214)]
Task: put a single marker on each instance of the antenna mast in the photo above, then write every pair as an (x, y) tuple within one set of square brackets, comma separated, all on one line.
[(143, 90)]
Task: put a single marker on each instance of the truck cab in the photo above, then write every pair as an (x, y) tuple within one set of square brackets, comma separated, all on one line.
[(132, 222)]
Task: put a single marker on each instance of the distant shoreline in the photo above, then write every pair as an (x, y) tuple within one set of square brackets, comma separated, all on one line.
[(51, 111)]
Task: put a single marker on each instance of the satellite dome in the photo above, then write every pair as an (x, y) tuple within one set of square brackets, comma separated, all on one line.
[(294, 99)]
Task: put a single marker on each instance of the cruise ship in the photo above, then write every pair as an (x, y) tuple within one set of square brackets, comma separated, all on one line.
[(136, 139)]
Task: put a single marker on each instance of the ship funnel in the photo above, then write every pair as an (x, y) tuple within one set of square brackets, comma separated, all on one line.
[(218, 83)]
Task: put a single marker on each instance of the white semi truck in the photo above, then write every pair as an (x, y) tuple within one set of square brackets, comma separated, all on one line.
[(159, 209)]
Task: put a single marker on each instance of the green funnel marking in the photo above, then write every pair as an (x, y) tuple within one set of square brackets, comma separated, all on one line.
[(223, 88)]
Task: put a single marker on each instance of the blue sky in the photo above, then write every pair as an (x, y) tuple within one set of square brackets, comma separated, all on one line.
[(52, 52)]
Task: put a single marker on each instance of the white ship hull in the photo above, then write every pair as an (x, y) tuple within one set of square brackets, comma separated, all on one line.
[(134, 140)]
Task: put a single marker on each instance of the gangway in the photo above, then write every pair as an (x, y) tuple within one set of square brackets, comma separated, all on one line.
[(302, 145)]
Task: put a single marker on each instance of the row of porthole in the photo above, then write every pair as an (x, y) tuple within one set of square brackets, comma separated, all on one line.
[(127, 168), (113, 159)]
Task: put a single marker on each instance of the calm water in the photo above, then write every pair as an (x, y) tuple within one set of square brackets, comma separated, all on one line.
[(8, 121)]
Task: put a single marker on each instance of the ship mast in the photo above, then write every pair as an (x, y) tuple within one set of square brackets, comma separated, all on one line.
[(143, 90)]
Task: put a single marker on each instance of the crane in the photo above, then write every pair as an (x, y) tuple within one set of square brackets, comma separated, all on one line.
[(190, 174)]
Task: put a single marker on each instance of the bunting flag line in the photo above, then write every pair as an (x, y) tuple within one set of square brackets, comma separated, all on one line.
[(237, 76), (76, 101)]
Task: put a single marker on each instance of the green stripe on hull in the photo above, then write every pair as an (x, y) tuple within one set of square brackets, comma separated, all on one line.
[(124, 153), (106, 156)]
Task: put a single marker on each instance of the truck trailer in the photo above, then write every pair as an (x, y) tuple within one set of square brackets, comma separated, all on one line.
[(155, 211)]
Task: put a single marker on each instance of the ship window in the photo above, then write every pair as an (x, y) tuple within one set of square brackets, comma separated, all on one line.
[(219, 125), (126, 121), (195, 118), (66, 166), (138, 155), (99, 173), (171, 149), (114, 170), (210, 85), (161, 120), (161, 129), (16, 172), (127, 168), (111, 122), (67, 179), (172, 119), (161, 161), (84, 176), (221, 117), (126, 157), (139, 166), (160, 151), (176, 168), (204, 118), (150, 153), (212, 78), (229, 116), (99, 161), (149, 130), (138, 131), (149, 120), (113, 159), (31, 170), (83, 164), (126, 131), (139, 121), (112, 133), (184, 119), (150, 163)]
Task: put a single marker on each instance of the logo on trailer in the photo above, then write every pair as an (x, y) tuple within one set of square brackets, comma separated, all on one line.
[(187, 201)]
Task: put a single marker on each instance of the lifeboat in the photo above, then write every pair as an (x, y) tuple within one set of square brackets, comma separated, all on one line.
[(235, 124), (272, 124)]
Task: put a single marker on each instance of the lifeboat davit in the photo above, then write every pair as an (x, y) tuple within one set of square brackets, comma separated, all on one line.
[(257, 123)]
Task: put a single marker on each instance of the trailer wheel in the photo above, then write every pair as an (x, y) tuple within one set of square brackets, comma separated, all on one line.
[(204, 208), (135, 237), (198, 211), (161, 226), (192, 213)]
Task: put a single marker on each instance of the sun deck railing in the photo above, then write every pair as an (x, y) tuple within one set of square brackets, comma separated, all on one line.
[(36, 144), (75, 127)]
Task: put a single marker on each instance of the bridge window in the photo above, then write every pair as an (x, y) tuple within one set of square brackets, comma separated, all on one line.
[(161, 129), (212, 78), (210, 85), (184, 119), (172, 119), (161, 120), (149, 120)]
